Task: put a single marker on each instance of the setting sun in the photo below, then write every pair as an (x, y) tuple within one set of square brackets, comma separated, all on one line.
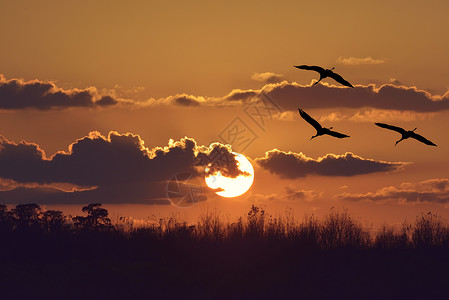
[(232, 187)]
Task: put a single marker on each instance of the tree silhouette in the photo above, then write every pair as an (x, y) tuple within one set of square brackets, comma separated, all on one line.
[(5, 218), (27, 216), (97, 218), (53, 220)]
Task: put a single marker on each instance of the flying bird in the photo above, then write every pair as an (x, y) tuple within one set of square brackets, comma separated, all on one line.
[(325, 73), (406, 134), (320, 130)]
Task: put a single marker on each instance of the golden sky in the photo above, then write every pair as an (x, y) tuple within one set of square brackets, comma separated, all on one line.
[(169, 70)]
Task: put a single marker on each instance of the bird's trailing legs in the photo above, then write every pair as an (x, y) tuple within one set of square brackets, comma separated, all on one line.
[(398, 141), (403, 138), (317, 81)]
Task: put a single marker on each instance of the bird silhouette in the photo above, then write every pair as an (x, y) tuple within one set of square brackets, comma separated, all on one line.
[(406, 134), (320, 130), (325, 73)]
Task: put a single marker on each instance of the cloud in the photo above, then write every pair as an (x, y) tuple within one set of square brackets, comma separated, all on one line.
[(186, 100), (432, 190), (267, 77), (300, 194), (41, 95), (119, 167), (290, 96), (290, 194), (240, 95), (395, 81), (294, 165), (17, 94), (359, 61), (376, 115)]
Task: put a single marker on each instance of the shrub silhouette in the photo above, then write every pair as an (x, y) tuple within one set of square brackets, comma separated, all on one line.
[(429, 231), (256, 222), (340, 230)]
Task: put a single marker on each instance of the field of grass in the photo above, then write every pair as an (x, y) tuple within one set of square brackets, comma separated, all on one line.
[(46, 255)]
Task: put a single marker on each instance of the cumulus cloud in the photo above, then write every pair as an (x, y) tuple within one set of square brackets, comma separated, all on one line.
[(359, 61), (294, 165), (119, 166), (432, 190), (267, 77), (41, 95)]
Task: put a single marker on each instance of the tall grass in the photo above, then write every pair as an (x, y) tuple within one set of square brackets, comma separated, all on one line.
[(338, 229)]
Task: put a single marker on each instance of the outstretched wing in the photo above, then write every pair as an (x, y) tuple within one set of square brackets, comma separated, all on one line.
[(311, 68), (337, 134), (391, 127), (340, 79), (310, 120), (422, 139)]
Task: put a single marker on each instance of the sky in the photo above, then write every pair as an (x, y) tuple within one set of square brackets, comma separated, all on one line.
[(108, 101)]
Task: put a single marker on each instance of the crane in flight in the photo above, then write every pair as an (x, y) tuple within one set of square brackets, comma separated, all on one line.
[(406, 134), (320, 130), (325, 73)]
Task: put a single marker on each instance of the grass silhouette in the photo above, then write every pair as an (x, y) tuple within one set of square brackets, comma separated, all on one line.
[(45, 254)]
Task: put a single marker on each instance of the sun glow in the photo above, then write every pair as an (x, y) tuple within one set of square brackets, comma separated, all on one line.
[(232, 187)]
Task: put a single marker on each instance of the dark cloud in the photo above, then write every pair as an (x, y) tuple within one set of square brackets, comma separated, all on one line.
[(119, 166), (295, 194), (238, 95), (186, 100), (432, 190), (19, 94), (294, 165), (290, 96)]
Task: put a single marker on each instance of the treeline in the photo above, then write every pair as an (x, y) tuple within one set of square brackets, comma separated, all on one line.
[(337, 230), (31, 217)]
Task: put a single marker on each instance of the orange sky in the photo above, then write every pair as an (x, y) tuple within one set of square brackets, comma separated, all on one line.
[(169, 70)]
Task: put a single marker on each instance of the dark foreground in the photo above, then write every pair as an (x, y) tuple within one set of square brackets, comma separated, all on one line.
[(332, 259)]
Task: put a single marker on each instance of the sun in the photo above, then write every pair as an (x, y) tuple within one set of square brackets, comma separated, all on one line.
[(232, 187)]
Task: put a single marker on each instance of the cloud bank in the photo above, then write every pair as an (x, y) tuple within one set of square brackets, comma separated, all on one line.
[(18, 94), (117, 168), (432, 191), (293, 165)]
